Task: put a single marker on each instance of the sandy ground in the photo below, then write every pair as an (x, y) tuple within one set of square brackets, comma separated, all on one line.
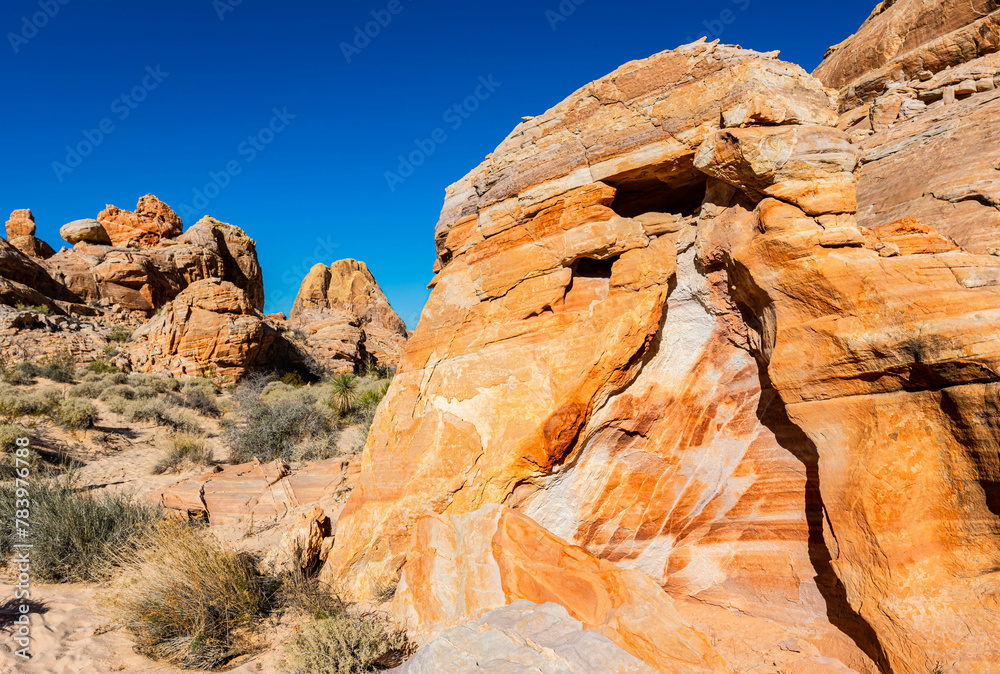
[(72, 628)]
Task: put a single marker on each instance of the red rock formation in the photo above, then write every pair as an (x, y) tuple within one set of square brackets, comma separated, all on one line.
[(659, 330), (21, 234), (209, 330), (347, 318), (151, 222)]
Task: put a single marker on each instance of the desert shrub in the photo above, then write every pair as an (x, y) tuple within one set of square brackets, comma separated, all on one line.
[(59, 367), (143, 392), (120, 333), (190, 601), (77, 413), (202, 403), (292, 379), (37, 308), (8, 436), (16, 403), (87, 389), (347, 642), (185, 449), (117, 394), (115, 378), (200, 384), (155, 382), (271, 425), (160, 412), (78, 536), (343, 393), (21, 374), (101, 366), (371, 397)]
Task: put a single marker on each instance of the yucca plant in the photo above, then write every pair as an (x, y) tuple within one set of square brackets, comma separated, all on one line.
[(343, 393)]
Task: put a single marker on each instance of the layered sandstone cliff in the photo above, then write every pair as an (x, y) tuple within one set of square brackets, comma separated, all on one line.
[(659, 331)]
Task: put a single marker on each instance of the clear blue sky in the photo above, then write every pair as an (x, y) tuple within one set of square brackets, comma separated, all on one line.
[(183, 93)]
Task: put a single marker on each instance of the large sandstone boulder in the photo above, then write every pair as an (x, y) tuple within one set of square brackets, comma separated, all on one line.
[(87, 231), (236, 251), (659, 331), (21, 234), (144, 279), (347, 318), (151, 222), (210, 329), (21, 223)]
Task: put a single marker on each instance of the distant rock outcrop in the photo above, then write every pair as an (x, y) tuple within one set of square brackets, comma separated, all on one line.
[(211, 329), (21, 235), (151, 222), (346, 318)]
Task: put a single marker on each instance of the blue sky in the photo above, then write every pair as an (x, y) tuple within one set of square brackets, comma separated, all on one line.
[(259, 108)]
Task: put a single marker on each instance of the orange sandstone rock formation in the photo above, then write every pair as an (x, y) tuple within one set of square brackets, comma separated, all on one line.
[(151, 221), (347, 318), (659, 331)]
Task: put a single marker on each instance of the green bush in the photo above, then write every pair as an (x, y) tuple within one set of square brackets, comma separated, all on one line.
[(155, 382), (9, 435), (16, 403), (115, 378), (156, 411), (185, 449), (87, 389), (143, 392), (102, 366), (77, 413), (188, 600), (37, 308), (120, 333), (77, 536), (21, 374), (117, 394), (60, 368), (275, 424)]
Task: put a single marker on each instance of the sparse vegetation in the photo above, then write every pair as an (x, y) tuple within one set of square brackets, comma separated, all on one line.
[(188, 600), (271, 420), (87, 389), (60, 368), (102, 366), (185, 449), (348, 643), (16, 403), (120, 333), (78, 536), (36, 308), (77, 414)]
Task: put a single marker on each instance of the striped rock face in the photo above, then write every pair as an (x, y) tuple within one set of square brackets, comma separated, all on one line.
[(658, 330)]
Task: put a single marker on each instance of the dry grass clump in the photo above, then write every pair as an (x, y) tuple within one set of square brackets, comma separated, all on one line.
[(186, 449), (77, 414), (77, 536), (188, 600), (87, 389), (348, 643)]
